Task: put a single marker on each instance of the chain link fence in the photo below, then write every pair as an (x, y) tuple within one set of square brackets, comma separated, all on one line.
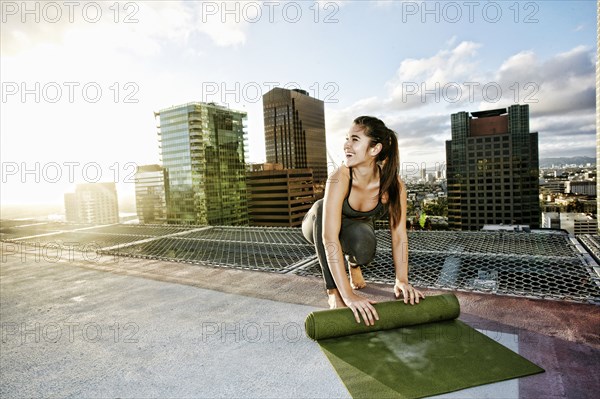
[(539, 265)]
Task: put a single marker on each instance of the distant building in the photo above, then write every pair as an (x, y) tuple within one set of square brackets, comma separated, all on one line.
[(94, 203), (554, 186), (295, 131), (551, 220), (585, 225), (203, 152), (584, 187), (150, 197), (572, 222), (277, 196), (493, 169)]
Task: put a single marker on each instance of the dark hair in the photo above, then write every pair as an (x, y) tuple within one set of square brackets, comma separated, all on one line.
[(389, 156)]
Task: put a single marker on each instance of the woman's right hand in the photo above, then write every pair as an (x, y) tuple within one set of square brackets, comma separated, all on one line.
[(361, 306)]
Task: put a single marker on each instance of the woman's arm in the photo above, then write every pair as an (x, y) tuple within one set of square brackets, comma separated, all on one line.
[(400, 254), (335, 192)]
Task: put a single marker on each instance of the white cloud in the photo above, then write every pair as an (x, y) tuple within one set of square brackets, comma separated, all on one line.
[(560, 85), (560, 91), (437, 74)]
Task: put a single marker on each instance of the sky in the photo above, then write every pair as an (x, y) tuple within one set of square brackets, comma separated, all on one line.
[(81, 80)]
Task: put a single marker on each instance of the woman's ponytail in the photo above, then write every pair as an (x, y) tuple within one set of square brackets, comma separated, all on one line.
[(389, 158)]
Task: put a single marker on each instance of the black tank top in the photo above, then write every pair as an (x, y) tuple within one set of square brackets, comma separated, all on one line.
[(348, 212)]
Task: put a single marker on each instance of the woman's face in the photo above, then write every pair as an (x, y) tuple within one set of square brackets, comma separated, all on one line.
[(356, 148)]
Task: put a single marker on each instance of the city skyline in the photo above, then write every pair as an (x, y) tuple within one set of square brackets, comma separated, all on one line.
[(357, 58)]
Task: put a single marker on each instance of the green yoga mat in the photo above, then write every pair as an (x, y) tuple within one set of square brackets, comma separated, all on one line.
[(413, 351)]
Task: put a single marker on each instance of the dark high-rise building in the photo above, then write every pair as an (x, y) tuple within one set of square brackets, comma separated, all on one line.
[(493, 169), (279, 197), (295, 131), (150, 197), (203, 153)]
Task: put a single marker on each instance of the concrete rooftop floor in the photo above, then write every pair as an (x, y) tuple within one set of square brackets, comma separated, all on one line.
[(125, 327)]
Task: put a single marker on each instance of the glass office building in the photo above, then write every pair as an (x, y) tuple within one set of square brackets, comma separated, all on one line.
[(493, 169), (150, 197), (202, 149), (295, 131)]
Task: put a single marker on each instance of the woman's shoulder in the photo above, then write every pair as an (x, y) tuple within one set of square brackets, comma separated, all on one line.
[(338, 180), (340, 173)]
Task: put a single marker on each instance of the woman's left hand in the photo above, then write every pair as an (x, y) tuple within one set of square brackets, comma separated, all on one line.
[(408, 291)]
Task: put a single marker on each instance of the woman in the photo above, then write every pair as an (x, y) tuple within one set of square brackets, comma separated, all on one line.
[(365, 188)]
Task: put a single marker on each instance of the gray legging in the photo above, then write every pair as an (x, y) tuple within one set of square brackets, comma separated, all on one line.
[(357, 237)]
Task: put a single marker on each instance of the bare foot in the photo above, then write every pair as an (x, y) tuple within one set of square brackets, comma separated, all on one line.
[(335, 299), (356, 278)]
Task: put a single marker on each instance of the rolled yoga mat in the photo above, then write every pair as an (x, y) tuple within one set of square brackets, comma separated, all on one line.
[(412, 351)]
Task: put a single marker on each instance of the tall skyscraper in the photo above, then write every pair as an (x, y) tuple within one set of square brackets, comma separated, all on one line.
[(295, 131), (94, 203), (203, 152), (150, 197), (493, 169)]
